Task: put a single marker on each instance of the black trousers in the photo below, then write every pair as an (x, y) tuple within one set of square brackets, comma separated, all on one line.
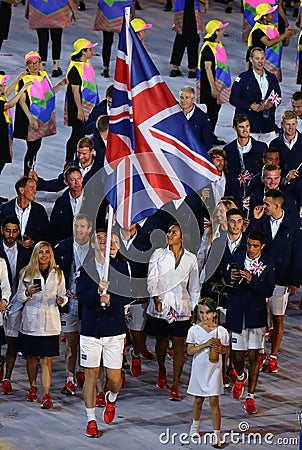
[(77, 133), (56, 39), (185, 41), (32, 149), (106, 49), (212, 111)]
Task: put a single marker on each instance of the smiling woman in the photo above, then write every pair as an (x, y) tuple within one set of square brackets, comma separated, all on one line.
[(41, 289)]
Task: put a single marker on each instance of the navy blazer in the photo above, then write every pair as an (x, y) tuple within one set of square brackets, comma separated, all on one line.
[(96, 321), (202, 127), (252, 162), (61, 219), (245, 91), (23, 257), (284, 250), (98, 110), (37, 226), (290, 205), (289, 159), (57, 184), (246, 302)]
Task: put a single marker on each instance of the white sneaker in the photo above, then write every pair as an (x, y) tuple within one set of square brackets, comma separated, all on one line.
[(195, 428)]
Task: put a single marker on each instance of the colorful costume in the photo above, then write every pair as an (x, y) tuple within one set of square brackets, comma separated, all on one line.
[(109, 15), (222, 74), (273, 54), (48, 14), (89, 91)]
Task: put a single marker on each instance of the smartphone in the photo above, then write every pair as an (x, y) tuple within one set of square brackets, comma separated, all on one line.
[(37, 282)]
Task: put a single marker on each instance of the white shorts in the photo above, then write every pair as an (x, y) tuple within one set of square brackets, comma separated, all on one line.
[(109, 349), (277, 303), (137, 316), (249, 339), (70, 323)]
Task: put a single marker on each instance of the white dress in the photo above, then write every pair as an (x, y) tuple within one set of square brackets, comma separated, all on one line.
[(206, 377)]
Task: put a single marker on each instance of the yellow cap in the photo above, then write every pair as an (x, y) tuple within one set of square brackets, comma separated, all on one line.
[(80, 44), (140, 25), (214, 25), (32, 55), (263, 9)]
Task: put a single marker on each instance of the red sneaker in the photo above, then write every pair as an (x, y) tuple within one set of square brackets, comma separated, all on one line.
[(32, 394), (238, 387), (80, 378), (272, 365), (123, 375), (162, 381), (6, 388), (232, 374), (249, 406), (68, 389), (136, 367), (46, 402), (262, 358), (100, 400), (146, 354), (170, 353), (109, 411), (174, 394), (92, 429)]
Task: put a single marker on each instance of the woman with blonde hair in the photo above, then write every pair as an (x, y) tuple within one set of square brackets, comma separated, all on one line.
[(217, 226), (41, 289)]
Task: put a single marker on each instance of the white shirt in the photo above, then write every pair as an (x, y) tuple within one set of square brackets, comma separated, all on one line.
[(248, 262), (76, 203), (190, 114), (178, 287), (233, 245), (244, 148), (291, 143), (23, 215), (219, 187), (263, 83), (84, 170), (100, 269), (128, 242), (275, 224), (80, 252), (12, 254)]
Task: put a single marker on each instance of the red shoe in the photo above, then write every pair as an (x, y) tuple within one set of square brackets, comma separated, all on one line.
[(100, 400), (249, 406), (123, 375), (2, 361), (92, 429), (272, 366), (232, 374), (63, 338), (162, 381), (32, 394), (146, 354), (238, 387), (109, 411), (136, 367), (174, 394), (68, 389), (80, 378), (6, 388), (261, 358), (170, 353), (46, 402)]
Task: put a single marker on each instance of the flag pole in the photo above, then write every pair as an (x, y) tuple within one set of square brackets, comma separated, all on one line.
[(108, 241)]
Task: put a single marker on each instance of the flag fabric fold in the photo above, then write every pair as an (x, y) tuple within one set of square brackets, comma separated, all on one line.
[(152, 156)]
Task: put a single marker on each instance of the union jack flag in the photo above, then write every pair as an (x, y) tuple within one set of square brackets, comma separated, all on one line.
[(152, 155), (246, 202), (274, 98), (257, 268), (244, 177), (172, 315)]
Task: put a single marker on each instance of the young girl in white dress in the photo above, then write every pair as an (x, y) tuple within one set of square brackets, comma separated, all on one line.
[(206, 377)]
